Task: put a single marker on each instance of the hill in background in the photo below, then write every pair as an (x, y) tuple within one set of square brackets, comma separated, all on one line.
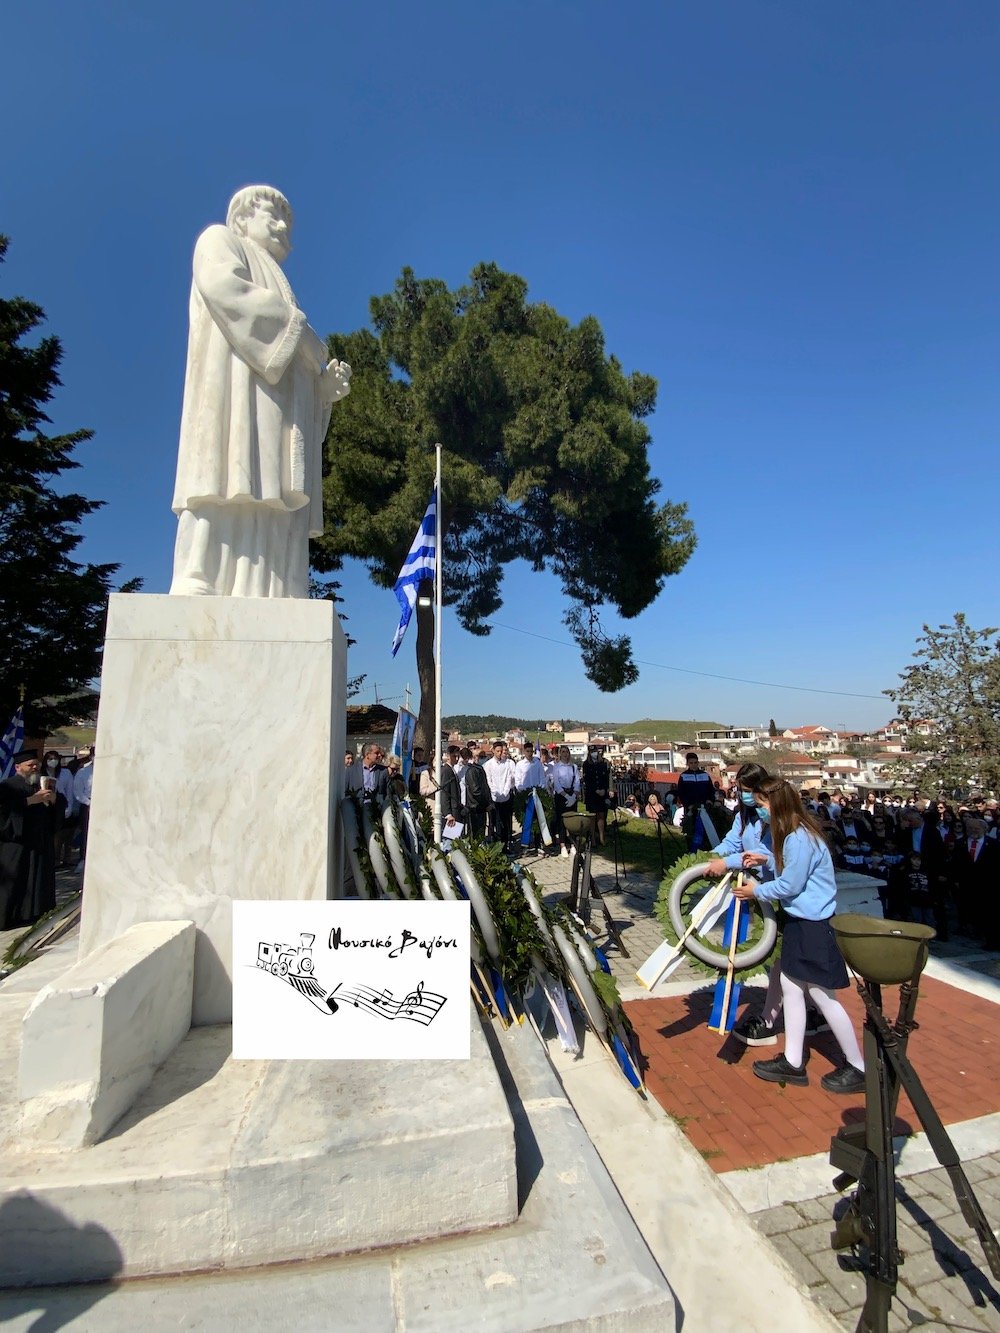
[(664, 729), (493, 724)]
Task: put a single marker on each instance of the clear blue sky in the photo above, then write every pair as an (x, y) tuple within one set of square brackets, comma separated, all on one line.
[(787, 211)]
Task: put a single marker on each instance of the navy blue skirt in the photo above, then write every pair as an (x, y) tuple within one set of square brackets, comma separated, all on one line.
[(809, 953)]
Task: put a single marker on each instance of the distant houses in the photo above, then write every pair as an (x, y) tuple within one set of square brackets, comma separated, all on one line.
[(810, 755)]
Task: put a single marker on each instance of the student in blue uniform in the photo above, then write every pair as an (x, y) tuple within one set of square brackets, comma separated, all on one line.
[(811, 963), (750, 833)]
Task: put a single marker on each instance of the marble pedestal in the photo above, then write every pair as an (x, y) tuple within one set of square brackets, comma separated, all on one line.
[(225, 1163), (220, 743)]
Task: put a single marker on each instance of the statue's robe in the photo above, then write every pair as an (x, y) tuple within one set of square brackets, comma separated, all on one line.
[(254, 419), (27, 855)]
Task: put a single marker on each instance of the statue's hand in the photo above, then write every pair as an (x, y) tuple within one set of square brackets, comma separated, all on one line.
[(335, 380)]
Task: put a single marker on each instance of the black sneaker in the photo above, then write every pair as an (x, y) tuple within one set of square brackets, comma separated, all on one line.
[(847, 1080), (753, 1031), (779, 1070), (815, 1023)]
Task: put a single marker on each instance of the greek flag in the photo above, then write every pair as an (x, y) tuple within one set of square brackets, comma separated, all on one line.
[(418, 566), (13, 739)]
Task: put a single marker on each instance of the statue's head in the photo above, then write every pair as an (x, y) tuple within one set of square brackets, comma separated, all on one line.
[(264, 215)]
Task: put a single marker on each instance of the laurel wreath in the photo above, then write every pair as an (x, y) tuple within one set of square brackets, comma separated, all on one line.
[(662, 910)]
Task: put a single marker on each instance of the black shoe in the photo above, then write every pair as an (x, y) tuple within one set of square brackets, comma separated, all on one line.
[(815, 1023), (753, 1031), (779, 1070), (848, 1080)]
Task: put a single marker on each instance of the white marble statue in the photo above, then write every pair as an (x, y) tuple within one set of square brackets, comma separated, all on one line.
[(257, 396)]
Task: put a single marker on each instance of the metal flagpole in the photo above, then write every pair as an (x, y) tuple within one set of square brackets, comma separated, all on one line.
[(438, 584)]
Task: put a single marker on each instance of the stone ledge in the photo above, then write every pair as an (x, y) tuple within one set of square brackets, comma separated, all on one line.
[(92, 1038)]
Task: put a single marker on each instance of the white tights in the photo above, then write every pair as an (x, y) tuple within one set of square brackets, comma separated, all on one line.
[(794, 995), (772, 1000)]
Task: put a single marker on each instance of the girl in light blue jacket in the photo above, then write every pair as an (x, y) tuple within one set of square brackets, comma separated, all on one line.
[(750, 833), (811, 963)]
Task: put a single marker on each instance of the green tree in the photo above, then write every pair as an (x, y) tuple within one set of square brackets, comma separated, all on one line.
[(544, 460), (772, 729), (51, 607), (954, 683)]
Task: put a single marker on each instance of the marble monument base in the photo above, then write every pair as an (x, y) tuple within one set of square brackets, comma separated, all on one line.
[(224, 1163), (93, 1038), (220, 743)]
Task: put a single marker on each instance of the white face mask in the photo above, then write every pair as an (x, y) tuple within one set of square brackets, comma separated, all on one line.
[(52, 765)]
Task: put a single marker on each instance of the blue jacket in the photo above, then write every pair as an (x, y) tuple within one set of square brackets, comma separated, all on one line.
[(754, 836), (807, 886)]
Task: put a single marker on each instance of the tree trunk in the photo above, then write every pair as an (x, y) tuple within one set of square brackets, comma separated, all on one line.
[(425, 676)]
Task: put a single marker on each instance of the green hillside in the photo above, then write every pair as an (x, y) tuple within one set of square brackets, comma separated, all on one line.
[(664, 729)]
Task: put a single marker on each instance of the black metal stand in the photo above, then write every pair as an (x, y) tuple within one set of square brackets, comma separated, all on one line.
[(617, 852), (582, 889), (864, 1156)]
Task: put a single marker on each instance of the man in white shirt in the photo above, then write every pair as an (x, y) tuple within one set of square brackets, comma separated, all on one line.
[(459, 760), (529, 773), (501, 778), (564, 784)]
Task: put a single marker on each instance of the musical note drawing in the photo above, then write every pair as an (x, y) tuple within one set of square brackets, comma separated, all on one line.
[(418, 1006)]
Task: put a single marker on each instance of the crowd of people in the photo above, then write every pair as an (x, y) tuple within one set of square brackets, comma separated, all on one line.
[(934, 856), (938, 859), (44, 821), (483, 788)]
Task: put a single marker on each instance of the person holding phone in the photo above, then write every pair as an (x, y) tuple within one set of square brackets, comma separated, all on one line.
[(27, 844)]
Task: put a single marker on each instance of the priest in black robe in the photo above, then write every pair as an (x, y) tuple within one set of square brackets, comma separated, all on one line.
[(27, 845)]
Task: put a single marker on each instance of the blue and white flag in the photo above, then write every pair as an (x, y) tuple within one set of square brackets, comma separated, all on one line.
[(418, 566), (402, 740), (13, 739)]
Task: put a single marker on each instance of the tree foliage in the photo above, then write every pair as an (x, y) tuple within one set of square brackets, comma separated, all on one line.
[(954, 682), (52, 608), (544, 459), (492, 724)]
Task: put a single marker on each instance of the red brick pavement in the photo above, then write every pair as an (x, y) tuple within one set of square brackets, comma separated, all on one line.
[(736, 1120)]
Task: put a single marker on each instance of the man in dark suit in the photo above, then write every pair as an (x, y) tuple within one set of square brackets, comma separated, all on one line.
[(478, 799), (919, 833), (374, 776), (977, 882)]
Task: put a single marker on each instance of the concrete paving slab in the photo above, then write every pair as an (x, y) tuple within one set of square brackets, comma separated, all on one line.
[(803, 1178), (724, 1274)]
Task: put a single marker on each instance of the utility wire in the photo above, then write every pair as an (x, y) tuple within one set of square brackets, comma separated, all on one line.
[(688, 671)]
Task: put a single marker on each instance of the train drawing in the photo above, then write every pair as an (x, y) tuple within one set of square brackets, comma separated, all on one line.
[(281, 959)]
